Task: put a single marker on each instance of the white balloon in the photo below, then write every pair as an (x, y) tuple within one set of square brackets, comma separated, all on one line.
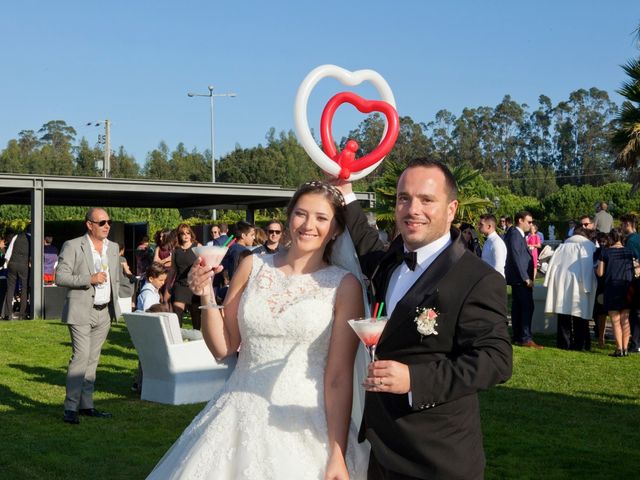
[(302, 123)]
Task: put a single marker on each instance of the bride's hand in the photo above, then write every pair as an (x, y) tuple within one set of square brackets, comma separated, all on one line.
[(199, 278), (336, 468)]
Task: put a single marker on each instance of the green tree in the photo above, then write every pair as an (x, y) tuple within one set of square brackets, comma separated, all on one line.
[(507, 123), (86, 158), (12, 160), (123, 165), (157, 164), (441, 131), (583, 128), (56, 154), (189, 166), (282, 162)]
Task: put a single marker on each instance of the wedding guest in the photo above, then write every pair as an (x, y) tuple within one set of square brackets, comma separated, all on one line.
[(182, 258), (144, 255), (632, 242), (603, 221), (599, 312), (164, 247), (50, 252), (245, 234), (494, 251), (274, 236), (3, 278), (519, 274), (215, 236), (534, 244), (18, 258), (571, 290), (260, 238), (84, 268), (150, 293), (166, 242), (127, 278), (470, 238), (616, 266), (224, 233)]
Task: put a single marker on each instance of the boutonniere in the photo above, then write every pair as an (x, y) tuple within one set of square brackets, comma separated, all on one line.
[(426, 321)]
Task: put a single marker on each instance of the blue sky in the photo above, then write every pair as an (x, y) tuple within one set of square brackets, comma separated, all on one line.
[(134, 62)]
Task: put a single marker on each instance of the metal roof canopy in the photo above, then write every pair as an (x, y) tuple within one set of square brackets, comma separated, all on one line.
[(38, 190)]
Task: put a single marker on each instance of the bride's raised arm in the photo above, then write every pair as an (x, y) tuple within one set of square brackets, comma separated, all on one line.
[(220, 327)]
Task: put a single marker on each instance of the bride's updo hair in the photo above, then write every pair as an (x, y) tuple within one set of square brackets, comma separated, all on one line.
[(332, 195)]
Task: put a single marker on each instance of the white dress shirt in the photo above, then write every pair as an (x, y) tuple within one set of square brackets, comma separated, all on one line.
[(403, 278), (494, 252), (101, 264)]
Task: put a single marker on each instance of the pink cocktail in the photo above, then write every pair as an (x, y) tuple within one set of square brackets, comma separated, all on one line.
[(369, 330), (212, 255)]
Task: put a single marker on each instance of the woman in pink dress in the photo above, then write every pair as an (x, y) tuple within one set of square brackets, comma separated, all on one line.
[(534, 243)]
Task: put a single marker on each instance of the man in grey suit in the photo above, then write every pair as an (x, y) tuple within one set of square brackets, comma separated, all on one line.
[(88, 267)]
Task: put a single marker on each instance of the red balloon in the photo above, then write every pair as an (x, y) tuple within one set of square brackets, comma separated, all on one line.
[(347, 158)]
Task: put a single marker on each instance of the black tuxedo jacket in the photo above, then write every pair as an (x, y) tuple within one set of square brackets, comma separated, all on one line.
[(519, 265), (438, 435)]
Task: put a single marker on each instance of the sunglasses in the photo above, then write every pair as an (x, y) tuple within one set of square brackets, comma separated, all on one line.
[(586, 224), (102, 223), (274, 232)]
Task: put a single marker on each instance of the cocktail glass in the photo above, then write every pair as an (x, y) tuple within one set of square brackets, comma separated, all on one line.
[(212, 255), (369, 330)]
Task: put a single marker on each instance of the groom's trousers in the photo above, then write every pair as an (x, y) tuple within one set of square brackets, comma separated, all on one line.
[(378, 472)]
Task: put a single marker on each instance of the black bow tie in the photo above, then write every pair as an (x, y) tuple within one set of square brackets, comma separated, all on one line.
[(411, 259)]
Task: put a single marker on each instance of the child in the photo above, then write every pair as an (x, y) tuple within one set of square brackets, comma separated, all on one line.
[(150, 295)]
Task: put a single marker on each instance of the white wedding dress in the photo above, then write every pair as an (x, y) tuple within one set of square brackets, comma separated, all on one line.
[(269, 422)]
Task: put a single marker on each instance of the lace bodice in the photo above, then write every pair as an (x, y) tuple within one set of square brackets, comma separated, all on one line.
[(285, 324), (269, 421)]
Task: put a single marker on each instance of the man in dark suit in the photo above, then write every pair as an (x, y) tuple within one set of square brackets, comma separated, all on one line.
[(518, 272), (18, 263), (421, 412), (89, 267)]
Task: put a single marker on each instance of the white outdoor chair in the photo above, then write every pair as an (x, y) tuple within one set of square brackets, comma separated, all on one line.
[(174, 372)]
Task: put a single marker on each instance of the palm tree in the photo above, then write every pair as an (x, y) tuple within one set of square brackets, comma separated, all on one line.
[(626, 137)]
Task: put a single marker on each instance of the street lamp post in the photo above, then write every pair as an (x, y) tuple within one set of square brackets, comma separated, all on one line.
[(213, 157), (211, 95)]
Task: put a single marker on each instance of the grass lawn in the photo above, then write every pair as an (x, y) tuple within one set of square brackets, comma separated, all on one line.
[(562, 415)]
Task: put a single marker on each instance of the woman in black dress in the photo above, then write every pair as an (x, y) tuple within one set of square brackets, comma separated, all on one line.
[(183, 258), (616, 266)]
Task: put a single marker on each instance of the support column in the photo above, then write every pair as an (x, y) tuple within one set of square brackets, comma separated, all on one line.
[(37, 240)]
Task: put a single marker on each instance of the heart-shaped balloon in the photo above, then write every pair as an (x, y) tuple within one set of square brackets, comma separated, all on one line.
[(346, 159), (303, 132)]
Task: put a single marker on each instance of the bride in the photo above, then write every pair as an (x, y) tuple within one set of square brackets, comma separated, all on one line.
[(285, 411)]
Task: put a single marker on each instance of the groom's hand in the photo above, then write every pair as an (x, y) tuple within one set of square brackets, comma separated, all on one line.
[(388, 376)]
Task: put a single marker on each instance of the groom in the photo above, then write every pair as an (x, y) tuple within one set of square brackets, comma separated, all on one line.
[(421, 412)]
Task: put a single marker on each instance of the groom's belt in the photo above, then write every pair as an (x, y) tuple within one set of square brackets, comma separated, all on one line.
[(101, 307)]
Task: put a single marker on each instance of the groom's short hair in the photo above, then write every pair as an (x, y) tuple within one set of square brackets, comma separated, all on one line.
[(450, 181)]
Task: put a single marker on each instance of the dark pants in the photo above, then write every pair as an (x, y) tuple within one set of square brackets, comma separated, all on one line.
[(573, 333), (378, 472), (14, 272), (521, 312)]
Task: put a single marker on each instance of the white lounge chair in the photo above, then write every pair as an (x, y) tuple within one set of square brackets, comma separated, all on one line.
[(174, 372)]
